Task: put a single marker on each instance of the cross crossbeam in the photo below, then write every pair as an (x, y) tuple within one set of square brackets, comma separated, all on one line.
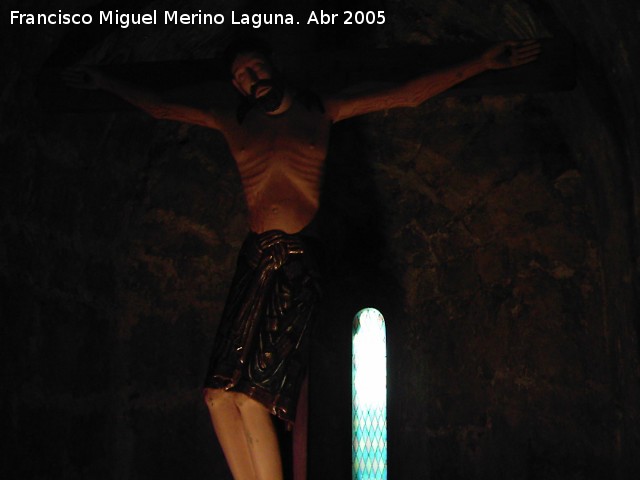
[(554, 70)]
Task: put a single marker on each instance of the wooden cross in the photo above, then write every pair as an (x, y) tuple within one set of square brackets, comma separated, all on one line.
[(554, 70)]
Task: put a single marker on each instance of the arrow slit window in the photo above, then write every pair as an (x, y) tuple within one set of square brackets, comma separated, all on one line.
[(369, 396)]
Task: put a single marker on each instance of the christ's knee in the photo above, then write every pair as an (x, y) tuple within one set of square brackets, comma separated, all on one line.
[(247, 404), (218, 399)]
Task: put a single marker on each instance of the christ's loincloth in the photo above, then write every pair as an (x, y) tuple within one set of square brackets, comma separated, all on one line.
[(261, 347)]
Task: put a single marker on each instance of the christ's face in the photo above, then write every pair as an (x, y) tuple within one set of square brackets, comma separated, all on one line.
[(255, 78), (252, 74)]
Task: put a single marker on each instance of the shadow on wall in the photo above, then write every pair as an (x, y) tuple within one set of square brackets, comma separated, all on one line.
[(351, 224)]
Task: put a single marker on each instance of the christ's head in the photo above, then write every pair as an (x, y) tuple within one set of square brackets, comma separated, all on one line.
[(253, 74)]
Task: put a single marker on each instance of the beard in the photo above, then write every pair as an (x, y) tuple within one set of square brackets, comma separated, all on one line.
[(270, 101)]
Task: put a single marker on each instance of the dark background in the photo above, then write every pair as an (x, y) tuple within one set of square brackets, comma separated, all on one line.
[(497, 234)]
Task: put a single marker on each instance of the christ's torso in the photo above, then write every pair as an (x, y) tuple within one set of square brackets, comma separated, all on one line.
[(281, 159)]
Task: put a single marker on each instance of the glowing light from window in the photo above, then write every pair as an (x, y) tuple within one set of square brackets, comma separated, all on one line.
[(369, 391)]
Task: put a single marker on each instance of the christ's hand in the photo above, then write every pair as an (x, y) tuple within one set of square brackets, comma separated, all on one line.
[(83, 77), (511, 54)]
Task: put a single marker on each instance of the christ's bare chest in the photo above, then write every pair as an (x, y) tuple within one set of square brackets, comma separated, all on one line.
[(295, 141)]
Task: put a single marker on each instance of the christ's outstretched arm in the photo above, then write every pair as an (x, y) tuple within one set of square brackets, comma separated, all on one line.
[(158, 105), (414, 92)]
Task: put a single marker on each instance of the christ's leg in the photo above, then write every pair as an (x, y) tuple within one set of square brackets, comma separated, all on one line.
[(261, 438), (246, 434), (229, 428)]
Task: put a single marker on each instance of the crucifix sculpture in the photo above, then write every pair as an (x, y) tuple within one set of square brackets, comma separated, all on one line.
[(279, 136)]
